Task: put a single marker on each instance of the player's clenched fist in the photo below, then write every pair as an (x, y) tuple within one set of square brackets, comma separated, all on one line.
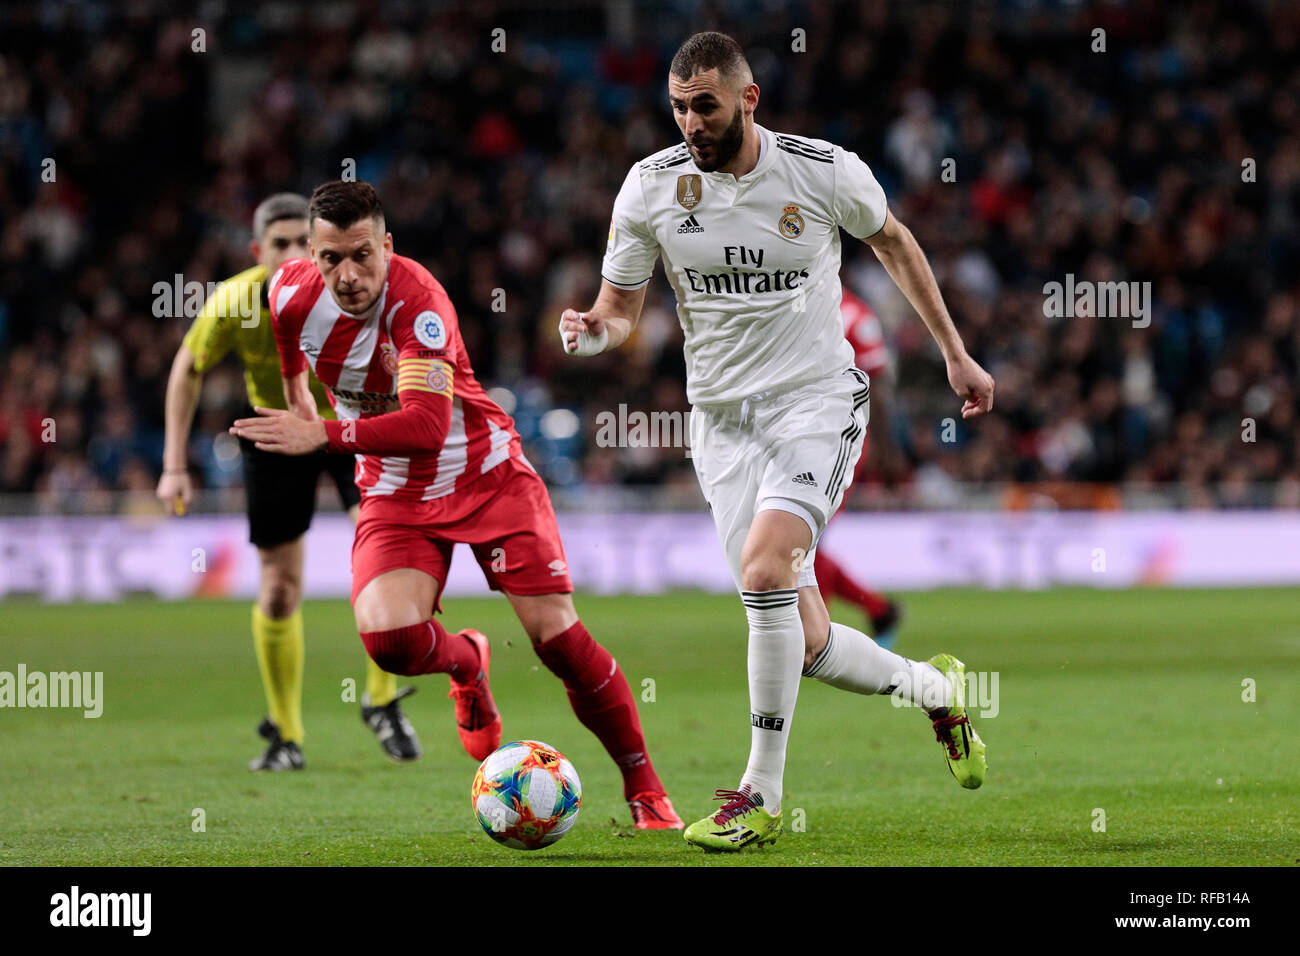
[(582, 334)]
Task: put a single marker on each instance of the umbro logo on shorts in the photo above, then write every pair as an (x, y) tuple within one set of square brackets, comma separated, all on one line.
[(557, 567), (691, 224), (805, 479)]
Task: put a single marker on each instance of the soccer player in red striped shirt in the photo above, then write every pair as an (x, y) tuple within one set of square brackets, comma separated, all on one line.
[(438, 462)]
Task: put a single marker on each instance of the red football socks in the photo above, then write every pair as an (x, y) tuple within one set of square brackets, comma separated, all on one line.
[(425, 648), (602, 701), (832, 581)]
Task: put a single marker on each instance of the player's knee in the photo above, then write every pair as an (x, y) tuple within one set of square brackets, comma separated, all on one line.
[(555, 616), (374, 619), (540, 633), (279, 597), (544, 616), (766, 573)]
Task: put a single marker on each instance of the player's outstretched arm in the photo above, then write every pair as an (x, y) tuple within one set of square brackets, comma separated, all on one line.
[(606, 325), (901, 255), (419, 427)]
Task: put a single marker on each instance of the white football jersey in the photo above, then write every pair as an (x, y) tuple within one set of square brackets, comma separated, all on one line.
[(754, 262)]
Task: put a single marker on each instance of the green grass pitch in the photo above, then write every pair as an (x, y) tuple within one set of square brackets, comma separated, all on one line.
[(1128, 703)]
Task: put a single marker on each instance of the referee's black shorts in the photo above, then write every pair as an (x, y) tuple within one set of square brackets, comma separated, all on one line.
[(281, 491)]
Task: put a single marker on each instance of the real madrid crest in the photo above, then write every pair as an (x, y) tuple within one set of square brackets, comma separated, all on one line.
[(690, 190), (791, 223)]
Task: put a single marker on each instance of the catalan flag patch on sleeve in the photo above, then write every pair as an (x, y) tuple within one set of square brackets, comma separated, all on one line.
[(425, 375)]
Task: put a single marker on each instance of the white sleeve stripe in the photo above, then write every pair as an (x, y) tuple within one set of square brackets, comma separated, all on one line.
[(799, 141), (673, 156), (796, 149)]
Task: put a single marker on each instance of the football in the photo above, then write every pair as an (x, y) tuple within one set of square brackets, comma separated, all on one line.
[(526, 795)]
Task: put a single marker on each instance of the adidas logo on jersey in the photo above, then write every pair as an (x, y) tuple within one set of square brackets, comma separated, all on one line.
[(805, 479), (691, 224)]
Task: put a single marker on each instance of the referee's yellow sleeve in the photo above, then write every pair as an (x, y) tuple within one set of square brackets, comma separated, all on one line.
[(211, 336)]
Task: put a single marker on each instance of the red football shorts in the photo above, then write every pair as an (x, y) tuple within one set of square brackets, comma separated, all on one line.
[(505, 517)]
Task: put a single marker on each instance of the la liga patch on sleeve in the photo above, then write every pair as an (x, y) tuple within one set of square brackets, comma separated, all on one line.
[(430, 331)]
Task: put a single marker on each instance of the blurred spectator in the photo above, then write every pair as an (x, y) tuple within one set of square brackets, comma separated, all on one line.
[(127, 159)]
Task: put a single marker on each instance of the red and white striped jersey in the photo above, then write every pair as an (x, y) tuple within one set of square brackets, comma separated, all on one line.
[(399, 380), (863, 330)]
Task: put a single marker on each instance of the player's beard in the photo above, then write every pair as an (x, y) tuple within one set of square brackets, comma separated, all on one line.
[(363, 304), (727, 146), (358, 306)]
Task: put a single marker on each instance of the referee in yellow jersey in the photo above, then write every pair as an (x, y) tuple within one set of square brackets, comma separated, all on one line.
[(281, 489)]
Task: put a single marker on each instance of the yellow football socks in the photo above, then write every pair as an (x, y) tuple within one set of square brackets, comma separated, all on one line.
[(279, 657), (380, 685)]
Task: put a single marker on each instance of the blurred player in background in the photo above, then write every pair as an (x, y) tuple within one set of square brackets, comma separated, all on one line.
[(281, 491), (439, 463), (748, 224), (871, 354)]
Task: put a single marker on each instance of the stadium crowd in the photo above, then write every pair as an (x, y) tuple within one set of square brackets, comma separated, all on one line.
[(1016, 150)]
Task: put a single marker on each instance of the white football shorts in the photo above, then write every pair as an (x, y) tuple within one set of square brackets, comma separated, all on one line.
[(788, 449)]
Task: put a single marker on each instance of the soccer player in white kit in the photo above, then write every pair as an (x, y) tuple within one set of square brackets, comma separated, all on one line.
[(748, 222)]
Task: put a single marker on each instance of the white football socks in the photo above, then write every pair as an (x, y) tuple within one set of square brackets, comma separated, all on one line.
[(852, 661), (775, 662)]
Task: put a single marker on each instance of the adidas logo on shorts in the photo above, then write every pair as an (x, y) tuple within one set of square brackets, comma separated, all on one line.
[(805, 478), (690, 225)]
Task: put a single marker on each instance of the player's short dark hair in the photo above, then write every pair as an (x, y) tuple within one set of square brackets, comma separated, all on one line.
[(706, 51), (277, 207), (344, 203)]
